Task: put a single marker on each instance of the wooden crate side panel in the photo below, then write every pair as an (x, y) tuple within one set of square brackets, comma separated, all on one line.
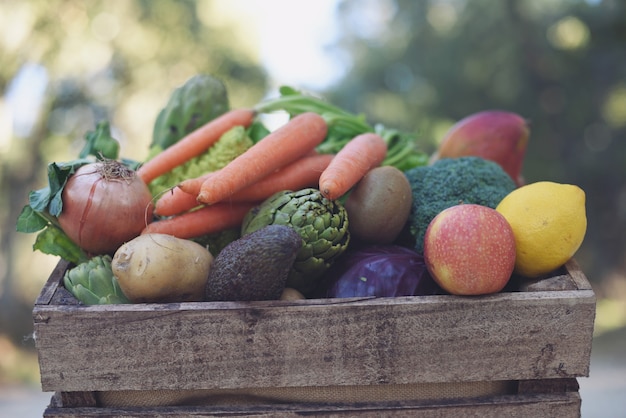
[(573, 268), (52, 284), (397, 340), (534, 405)]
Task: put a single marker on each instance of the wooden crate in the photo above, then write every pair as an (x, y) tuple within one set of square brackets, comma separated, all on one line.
[(516, 353)]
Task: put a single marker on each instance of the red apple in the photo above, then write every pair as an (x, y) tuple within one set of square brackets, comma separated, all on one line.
[(494, 135), (470, 250)]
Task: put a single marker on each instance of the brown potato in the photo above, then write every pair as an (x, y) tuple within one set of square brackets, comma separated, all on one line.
[(378, 207), (162, 268)]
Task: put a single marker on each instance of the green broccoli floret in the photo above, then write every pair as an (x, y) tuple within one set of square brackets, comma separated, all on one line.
[(449, 182)]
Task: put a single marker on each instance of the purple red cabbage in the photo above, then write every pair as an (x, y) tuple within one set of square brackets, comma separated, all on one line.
[(380, 271)]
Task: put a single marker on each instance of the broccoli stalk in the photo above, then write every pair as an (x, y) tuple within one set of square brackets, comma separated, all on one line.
[(449, 182)]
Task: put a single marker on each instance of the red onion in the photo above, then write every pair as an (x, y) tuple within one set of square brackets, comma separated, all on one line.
[(104, 205)]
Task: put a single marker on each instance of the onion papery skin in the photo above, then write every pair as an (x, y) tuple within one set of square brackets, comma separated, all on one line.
[(101, 210)]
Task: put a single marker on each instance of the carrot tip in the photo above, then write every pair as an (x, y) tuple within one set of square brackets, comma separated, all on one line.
[(203, 198)]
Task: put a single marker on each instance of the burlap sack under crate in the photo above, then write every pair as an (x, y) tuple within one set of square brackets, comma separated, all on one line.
[(327, 394)]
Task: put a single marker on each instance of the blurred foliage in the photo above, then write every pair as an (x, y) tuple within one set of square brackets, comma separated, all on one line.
[(560, 63), (68, 64), (412, 65)]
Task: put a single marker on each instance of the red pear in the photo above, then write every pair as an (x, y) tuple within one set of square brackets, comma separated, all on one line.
[(494, 135)]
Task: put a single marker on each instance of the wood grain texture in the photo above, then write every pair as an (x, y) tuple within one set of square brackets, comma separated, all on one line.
[(52, 284), (573, 269), (565, 404), (372, 341)]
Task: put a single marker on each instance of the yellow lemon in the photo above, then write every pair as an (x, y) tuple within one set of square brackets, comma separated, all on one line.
[(549, 222)]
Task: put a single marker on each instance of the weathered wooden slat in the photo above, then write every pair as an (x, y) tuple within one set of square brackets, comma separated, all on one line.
[(506, 336), (566, 404), (51, 285), (539, 335), (577, 275)]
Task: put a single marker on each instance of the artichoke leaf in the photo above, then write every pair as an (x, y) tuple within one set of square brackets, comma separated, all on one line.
[(85, 296), (321, 223)]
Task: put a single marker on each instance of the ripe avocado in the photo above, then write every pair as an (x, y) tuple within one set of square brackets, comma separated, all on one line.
[(255, 266)]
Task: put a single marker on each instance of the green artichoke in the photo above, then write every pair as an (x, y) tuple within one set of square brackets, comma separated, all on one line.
[(322, 224), (93, 282), (201, 99)]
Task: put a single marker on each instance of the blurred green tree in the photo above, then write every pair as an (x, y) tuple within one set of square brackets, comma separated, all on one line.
[(68, 64), (560, 64)]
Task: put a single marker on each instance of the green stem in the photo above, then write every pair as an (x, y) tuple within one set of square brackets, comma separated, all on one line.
[(397, 156), (72, 251), (296, 104), (352, 124), (343, 126)]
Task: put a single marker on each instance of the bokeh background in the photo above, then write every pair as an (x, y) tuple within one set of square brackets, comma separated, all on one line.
[(414, 65)]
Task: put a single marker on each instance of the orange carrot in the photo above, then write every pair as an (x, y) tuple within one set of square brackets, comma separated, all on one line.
[(206, 220), (194, 143), (174, 202), (351, 163), (286, 144), (193, 186), (304, 172)]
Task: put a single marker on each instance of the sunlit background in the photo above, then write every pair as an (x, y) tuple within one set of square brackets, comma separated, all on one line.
[(417, 66)]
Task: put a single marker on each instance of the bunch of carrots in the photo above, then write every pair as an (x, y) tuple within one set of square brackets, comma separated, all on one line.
[(285, 159)]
